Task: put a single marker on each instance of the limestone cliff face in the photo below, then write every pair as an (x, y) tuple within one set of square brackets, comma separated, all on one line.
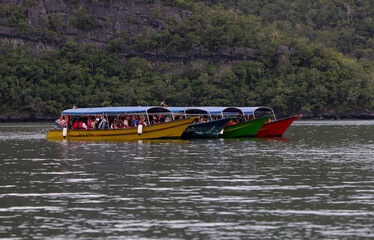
[(50, 22), (47, 24)]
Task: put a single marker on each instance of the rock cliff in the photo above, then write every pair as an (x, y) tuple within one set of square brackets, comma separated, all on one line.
[(47, 24), (50, 23)]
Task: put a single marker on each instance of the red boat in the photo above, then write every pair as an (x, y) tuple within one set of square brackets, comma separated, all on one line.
[(276, 128)]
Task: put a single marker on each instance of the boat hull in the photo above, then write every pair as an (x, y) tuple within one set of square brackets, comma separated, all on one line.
[(276, 128), (163, 130), (209, 129), (245, 129)]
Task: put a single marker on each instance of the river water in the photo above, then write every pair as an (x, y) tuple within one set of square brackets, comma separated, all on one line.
[(316, 182)]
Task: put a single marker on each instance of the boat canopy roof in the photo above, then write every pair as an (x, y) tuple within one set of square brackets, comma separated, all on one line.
[(187, 110), (115, 110), (197, 110), (218, 110), (246, 110)]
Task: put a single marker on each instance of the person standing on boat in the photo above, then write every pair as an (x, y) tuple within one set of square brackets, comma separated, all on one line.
[(156, 119), (75, 124), (134, 123), (113, 125), (240, 118), (82, 124), (142, 121), (117, 123), (126, 122), (89, 123), (103, 124), (94, 123)]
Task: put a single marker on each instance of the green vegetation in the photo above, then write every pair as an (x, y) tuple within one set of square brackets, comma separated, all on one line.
[(14, 16), (83, 21), (212, 29), (330, 68), (344, 25), (78, 74)]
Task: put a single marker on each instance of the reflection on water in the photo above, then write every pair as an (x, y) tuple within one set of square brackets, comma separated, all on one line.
[(316, 182)]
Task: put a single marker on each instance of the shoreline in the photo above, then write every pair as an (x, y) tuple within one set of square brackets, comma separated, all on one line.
[(18, 117), (13, 118)]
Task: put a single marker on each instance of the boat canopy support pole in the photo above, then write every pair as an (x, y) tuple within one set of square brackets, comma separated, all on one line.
[(275, 119), (149, 122), (210, 116)]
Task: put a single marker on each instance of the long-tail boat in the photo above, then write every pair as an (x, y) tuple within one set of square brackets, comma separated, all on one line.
[(245, 129), (276, 128), (272, 128), (207, 126), (166, 129)]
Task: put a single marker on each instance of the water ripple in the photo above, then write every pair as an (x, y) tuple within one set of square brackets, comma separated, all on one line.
[(315, 183)]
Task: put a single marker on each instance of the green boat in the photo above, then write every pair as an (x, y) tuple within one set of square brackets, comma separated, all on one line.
[(245, 129), (209, 129)]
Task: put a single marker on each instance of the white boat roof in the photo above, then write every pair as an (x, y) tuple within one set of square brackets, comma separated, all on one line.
[(115, 110), (154, 109), (219, 110)]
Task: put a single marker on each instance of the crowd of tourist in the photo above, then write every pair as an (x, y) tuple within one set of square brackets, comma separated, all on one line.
[(111, 122), (131, 121)]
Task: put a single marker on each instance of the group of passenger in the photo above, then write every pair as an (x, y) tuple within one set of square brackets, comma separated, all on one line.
[(128, 121), (239, 119), (235, 120), (131, 121)]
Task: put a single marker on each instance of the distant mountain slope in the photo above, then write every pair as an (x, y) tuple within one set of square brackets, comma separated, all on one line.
[(48, 24), (345, 25), (313, 57)]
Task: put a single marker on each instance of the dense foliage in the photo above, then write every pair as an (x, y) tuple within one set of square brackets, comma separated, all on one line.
[(345, 25), (317, 80), (331, 67)]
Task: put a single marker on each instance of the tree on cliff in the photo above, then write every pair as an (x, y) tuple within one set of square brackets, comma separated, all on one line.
[(291, 56)]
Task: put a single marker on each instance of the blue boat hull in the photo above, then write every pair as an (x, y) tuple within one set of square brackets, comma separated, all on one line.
[(209, 129)]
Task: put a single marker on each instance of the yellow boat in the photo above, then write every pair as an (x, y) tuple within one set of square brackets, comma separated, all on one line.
[(172, 129)]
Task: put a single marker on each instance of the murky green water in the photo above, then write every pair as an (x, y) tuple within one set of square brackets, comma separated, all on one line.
[(317, 182)]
